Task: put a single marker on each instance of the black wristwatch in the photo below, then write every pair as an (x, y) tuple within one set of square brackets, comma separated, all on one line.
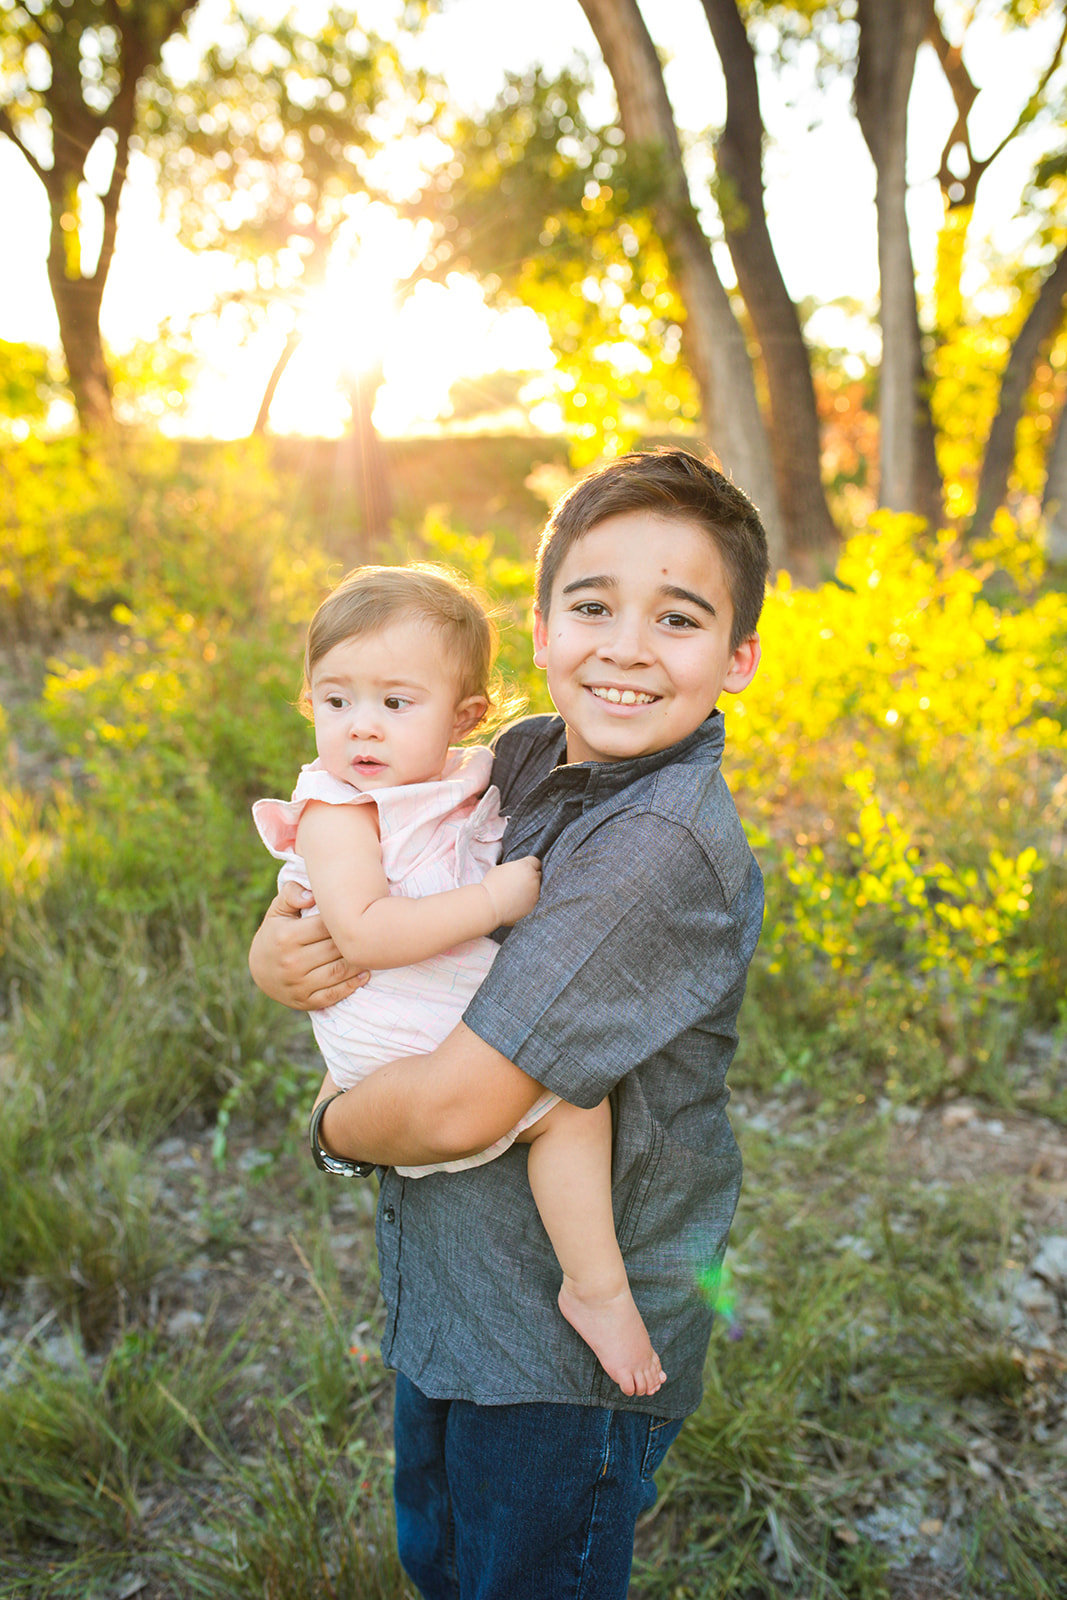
[(340, 1166)]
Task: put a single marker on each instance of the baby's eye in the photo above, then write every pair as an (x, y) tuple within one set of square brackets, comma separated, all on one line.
[(335, 702), (395, 702)]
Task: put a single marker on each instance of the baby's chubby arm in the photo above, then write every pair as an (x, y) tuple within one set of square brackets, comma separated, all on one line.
[(371, 928)]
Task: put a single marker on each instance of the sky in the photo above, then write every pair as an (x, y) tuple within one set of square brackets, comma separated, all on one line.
[(820, 196)]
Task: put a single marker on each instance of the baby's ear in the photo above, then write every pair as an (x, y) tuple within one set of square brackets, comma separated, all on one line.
[(469, 713)]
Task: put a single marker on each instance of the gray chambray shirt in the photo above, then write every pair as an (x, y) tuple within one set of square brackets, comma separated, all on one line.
[(625, 980)]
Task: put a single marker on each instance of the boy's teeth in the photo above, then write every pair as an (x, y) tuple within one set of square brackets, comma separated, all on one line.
[(625, 697)]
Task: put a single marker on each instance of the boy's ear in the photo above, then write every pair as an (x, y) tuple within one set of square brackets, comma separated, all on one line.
[(469, 713), (743, 664), (540, 637)]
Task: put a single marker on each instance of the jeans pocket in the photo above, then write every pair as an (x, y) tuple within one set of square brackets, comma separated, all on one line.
[(662, 1432)]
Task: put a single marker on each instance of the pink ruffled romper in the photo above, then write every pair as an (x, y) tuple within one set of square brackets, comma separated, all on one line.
[(435, 836)]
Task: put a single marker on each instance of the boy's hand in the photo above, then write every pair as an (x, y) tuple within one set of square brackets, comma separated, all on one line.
[(513, 888), (294, 960)]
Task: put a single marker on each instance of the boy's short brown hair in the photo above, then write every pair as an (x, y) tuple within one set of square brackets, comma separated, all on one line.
[(678, 487), (370, 598)]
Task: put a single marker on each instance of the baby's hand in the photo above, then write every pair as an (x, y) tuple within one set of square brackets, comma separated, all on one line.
[(513, 888)]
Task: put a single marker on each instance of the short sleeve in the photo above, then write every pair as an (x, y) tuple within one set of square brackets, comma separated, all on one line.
[(277, 820), (631, 944)]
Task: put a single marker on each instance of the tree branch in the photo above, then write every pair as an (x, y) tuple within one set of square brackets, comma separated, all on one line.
[(964, 94), (1045, 317), (8, 127), (1033, 105)]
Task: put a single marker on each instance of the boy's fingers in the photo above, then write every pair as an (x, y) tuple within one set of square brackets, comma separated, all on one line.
[(339, 990), (290, 901)]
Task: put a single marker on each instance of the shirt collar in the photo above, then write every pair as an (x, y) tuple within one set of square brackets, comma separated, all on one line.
[(600, 780)]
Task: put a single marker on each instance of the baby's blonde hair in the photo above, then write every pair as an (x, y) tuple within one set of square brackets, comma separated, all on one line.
[(367, 599)]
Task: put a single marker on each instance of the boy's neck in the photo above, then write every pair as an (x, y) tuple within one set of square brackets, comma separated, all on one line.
[(661, 756)]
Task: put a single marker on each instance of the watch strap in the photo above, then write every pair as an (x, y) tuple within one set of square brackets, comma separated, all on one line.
[(339, 1166)]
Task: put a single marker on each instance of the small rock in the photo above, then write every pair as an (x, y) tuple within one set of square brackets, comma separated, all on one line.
[(957, 1116), (61, 1351), (252, 1158), (1050, 1263), (858, 1246), (183, 1323)]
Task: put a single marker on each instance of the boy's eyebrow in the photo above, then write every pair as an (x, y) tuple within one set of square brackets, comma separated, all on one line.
[(670, 591), (601, 580), (673, 592)]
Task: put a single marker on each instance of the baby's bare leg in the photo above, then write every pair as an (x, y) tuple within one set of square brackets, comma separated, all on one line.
[(570, 1176)]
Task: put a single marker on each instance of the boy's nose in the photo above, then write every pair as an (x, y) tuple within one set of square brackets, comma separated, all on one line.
[(627, 645)]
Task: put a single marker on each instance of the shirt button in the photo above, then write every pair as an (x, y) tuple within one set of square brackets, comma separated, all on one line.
[(389, 1214)]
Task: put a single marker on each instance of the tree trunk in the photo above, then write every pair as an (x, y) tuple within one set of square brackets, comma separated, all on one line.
[(714, 342), (1046, 315), (78, 309), (795, 446), (890, 34), (78, 297), (259, 427), (366, 458), (77, 301), (1054, 504)]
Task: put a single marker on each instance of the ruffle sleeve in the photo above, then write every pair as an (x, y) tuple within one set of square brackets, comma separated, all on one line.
[(277, 820)]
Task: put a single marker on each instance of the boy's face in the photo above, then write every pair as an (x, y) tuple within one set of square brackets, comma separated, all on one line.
[(636, 644)]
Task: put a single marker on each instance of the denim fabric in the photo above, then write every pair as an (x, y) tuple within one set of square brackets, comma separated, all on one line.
[(625, 980), (526, 1502)]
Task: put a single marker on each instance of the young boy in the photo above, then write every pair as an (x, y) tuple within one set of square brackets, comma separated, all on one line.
[(521, 1470)]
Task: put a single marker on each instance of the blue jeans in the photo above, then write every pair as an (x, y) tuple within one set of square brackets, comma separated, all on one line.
[(521, 1502)]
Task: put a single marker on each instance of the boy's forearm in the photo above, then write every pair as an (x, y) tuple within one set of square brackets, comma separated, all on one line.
[(437, 1107), (396, 931)]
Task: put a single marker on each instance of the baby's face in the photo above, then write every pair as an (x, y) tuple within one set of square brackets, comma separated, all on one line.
[(387, 707)]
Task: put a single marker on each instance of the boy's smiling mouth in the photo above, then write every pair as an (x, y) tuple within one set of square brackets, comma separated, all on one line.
[(622, 697)]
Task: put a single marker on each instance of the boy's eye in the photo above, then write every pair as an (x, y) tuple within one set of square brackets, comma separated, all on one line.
[(590, 608), (678, 619)]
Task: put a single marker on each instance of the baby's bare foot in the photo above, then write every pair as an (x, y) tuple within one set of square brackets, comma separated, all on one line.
[(613, 1329)]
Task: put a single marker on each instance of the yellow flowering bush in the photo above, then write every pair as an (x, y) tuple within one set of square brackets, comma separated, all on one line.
[(901, 755)]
